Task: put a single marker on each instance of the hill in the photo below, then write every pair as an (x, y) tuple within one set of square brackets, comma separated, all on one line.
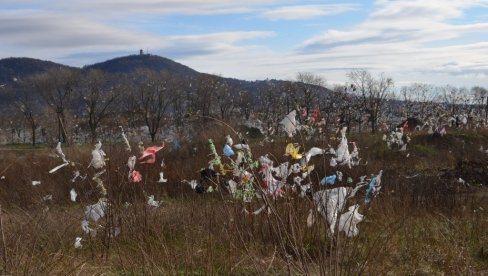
[(129, 64), (12, 69)]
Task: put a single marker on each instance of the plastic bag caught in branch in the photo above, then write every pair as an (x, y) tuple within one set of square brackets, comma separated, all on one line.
[(126, 141), (93, 213), (313, 152), (292, 150), (289, 123), (98, 157), (78, 244), (161, 178), (151, 202), (58, 167), (349, 220), (131, 163), (99, 182), (73, 195), (329, 204), (59, 151), (374, 187), (151, 153)]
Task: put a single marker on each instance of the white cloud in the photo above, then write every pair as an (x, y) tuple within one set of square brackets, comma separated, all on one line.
[(110, 8), (422, 41), (306, 11)]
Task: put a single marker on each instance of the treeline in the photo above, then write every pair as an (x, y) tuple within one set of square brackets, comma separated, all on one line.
[(64, 103)]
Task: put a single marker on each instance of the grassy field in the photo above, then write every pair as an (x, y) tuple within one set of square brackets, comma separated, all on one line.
[(423, 222)]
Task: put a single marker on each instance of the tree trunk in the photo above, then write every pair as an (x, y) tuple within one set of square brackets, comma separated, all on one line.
[(33, 127), (373, 124), (93, 133)]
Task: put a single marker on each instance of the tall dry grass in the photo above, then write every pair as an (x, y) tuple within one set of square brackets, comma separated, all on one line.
[(426, 224)]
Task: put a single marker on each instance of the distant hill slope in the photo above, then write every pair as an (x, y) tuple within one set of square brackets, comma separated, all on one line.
[(17, 68), (130, 64)]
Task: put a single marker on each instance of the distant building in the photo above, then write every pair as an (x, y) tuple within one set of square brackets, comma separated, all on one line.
[(141, 52)]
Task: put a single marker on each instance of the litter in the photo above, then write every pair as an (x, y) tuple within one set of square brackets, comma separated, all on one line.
[(78, 244), (349, 220), (136, 176), (73, 195), (151, 202), (374, 187), (98, 157), (289, 123), (126, 141), (329, 204), (328, 180), (161, 178), (151, 153), (228, 151)]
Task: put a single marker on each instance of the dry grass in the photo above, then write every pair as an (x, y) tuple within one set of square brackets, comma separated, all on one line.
[(428, 224)]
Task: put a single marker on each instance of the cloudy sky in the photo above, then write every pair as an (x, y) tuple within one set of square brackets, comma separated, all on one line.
[(432, 41)]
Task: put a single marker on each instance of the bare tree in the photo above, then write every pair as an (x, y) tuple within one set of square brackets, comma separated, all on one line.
[(56, 87), (202, 99), (155, 97), (245, 102), (99, 96), (27, 101), (309, 84), (372, 93), (480, 95), (224, 98), (453, 98), (418, 99)]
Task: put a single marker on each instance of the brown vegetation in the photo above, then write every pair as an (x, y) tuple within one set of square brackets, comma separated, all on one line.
[(423, 221)]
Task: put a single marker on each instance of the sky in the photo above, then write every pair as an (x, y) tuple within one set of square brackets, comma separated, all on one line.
[(429, 41)]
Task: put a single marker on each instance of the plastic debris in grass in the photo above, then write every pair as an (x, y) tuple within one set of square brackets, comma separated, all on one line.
[(136, 176), (60, 153), (126, 141), (99, 182), (290, 124), (397, 138), (328, 180), (258, 211), (349, 220), (228, 140), (228, 151), (93, 213), (35, 183), (73, 195), (292, 150), (374, 187), (314, 151), (149, 154), (195, 185), (304, 189), (329, 204), (98, 157), (131, 163), (76, 174), (242, 146), (47, 197), (78, 244), (232, 187), (161, 178), (216, 160), (151, 202)]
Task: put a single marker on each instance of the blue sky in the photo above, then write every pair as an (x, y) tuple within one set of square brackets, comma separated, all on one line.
[(429, 41)]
